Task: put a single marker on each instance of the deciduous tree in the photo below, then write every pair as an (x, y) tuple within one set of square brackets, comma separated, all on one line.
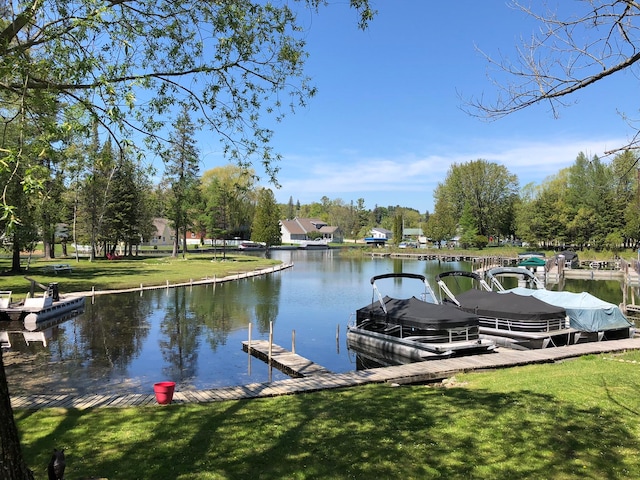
[(489, 190), (127, 63), (577, 44)]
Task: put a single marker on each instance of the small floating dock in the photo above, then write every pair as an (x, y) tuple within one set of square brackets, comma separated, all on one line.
[(287, 362)]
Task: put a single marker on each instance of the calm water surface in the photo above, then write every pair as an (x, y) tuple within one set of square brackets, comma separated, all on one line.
[(193, 336)]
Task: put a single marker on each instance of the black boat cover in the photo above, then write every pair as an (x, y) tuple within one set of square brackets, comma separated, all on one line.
[(508, 306), (412, 312)]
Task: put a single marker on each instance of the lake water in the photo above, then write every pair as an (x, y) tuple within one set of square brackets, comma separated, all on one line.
[(126, 342)]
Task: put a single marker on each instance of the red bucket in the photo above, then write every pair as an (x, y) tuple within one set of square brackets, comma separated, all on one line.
[(164, 392)]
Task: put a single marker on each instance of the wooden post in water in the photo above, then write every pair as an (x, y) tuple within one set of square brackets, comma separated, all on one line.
[(338, 338), (293, 341), (270, 340), (270, 347), (249, 349)]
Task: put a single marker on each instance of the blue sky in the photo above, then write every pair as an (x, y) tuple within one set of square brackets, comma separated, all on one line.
[(387, 122)]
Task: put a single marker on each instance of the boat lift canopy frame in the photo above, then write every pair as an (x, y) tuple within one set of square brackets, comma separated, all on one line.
[(427, 287)]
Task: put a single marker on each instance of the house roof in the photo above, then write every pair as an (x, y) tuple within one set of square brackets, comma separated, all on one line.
[(328, 229), (161, 224), (381, 230), (292, 227), (304, 225)]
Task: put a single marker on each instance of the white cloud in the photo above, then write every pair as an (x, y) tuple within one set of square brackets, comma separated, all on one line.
[(409, 180)]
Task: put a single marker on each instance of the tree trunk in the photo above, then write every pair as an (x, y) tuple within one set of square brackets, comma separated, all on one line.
[(49, 246), (15, 257), (92, 240), (176, 242), (184, 243), (12, 466)]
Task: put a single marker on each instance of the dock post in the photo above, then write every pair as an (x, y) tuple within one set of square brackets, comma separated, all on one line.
[(293, 341), (270, 340), (270, 348), (249, 349)]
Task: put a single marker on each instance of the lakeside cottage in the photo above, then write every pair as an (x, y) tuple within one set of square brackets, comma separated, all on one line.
[(300, 230)]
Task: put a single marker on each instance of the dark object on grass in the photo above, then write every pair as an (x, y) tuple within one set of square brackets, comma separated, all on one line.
[(57, 465)]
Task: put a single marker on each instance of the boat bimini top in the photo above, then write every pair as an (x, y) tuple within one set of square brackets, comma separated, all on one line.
[(428, 291), (525, 273), (459, 273)]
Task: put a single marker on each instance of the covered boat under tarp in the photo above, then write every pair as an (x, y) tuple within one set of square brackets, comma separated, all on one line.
[(533, 314), (533, 262), (586, 313), (531, 322), (413, 328), (411, 313), (509, 319)]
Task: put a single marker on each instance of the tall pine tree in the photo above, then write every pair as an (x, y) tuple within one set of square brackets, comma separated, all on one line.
[(181, 173), (266, 223)]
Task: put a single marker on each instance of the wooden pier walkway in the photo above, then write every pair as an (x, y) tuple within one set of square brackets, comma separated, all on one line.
[(428, 371), (287, 362)]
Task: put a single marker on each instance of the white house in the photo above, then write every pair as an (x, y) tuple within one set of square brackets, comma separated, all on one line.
[(300, 230), (381, 233)]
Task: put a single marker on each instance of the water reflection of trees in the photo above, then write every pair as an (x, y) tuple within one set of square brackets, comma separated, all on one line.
[(180, 330), (116, 329), (267, 293), (107, 337), (220, 311), (232, 306)]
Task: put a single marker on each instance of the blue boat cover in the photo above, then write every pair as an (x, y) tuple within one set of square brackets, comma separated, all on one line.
[(586, 312)]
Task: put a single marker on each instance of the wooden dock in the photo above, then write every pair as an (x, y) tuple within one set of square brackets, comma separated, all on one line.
[(428, 371), (287, 362)]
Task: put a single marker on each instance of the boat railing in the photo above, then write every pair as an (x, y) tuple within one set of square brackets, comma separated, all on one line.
[(448, 335), (550, 325)]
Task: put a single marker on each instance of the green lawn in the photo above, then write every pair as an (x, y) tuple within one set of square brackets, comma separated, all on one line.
[(576, 419), (573, 420), (129, 272)]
